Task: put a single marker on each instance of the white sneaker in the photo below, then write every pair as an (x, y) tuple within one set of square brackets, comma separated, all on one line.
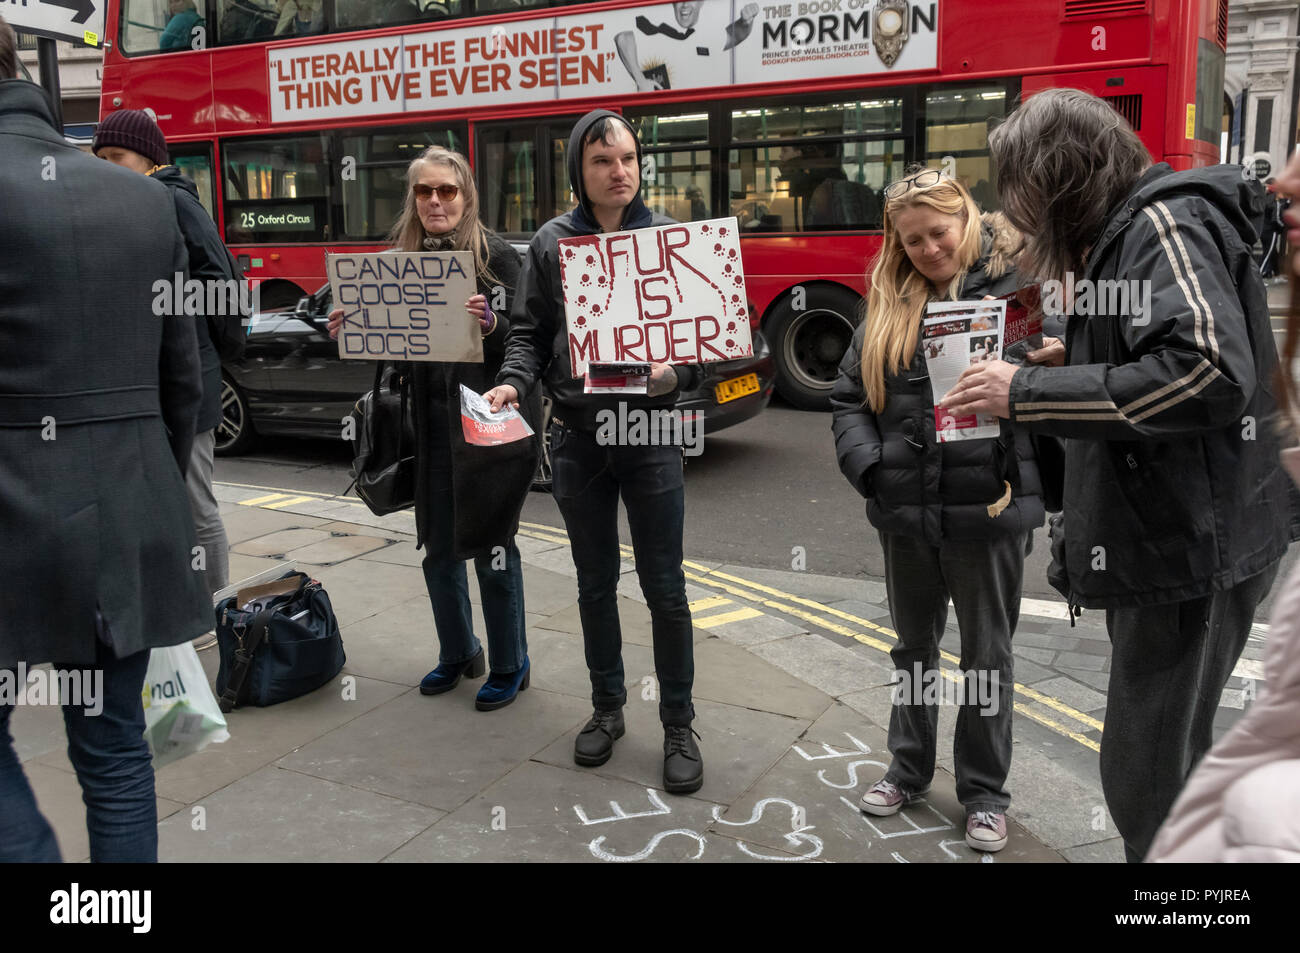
[(884, 798)]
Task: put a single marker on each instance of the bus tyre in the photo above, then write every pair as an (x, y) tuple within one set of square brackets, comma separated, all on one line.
[(235, 432), (808, 344)]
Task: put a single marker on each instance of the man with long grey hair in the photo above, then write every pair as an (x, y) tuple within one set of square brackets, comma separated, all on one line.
[(1175, 508)]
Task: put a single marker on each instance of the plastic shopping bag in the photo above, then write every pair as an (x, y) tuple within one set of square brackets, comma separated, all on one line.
[(181, 715), (486, 429)]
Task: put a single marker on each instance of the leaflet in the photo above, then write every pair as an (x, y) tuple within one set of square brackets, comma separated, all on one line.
[(956, 335)]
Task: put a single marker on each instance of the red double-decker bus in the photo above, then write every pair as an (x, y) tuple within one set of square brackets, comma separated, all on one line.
[(298, 121)]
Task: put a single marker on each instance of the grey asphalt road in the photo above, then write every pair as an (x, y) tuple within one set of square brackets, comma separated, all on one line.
[(766, 493)]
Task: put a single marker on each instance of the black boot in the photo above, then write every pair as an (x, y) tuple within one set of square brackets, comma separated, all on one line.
[(683, 766), (595, 743)]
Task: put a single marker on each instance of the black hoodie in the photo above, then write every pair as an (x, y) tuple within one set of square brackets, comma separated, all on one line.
[(1172, 484), (208, 261), (538, 345)]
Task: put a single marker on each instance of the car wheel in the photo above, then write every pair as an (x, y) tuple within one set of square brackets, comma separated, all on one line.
[(235, 433), (808, 344), (542, 478)]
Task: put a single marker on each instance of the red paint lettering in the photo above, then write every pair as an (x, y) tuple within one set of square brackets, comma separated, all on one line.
[(681, 357), (657, 351), (622, 349), (701, 340), (644, 298), (586, 349)]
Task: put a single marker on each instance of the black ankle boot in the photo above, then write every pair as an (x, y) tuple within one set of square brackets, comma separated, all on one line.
[(683, 766), (595, 743)]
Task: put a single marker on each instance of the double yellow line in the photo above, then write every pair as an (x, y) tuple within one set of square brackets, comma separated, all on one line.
[(847, 624), (1050, 712)]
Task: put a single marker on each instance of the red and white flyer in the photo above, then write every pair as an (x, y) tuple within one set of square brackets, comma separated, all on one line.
[(954, 336), (482, 428)]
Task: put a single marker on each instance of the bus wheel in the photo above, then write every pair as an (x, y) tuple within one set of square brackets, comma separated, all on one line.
[(278, 295), (809, 344), (235, 432)]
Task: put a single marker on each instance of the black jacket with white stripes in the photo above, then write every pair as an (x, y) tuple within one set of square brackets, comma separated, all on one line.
[(1172, 488)]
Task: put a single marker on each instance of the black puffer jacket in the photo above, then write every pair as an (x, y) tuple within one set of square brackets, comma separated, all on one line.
[(1172, 483), (914, 485), (489, 484)]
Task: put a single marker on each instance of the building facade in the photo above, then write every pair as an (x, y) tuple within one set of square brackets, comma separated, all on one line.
[(1260, 79)]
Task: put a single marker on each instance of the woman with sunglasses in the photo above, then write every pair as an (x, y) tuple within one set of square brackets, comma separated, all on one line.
[(467, 498), (955, 519)]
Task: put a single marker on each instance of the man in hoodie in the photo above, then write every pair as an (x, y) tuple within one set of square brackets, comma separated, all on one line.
[(130, 138), (1176, 510), (589, 474)]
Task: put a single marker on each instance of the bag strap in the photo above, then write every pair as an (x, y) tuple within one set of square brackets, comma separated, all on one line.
[(236, 692)]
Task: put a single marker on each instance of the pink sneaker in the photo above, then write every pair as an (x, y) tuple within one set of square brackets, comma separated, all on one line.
[(986, 830), (884, 798)]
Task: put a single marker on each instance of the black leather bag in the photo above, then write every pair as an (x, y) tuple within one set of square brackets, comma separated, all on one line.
[(276, 641), (383, 446)]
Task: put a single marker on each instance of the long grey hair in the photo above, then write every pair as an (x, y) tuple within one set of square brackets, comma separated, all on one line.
[(470, 235), (1063, 160)]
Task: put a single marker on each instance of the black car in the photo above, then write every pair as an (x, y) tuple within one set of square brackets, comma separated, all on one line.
[(292, 382)]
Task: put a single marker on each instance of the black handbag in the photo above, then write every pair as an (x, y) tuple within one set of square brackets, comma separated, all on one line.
[(383, 445), (276, 641)]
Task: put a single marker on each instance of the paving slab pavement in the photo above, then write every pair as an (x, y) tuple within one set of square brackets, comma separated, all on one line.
[(792, 699)]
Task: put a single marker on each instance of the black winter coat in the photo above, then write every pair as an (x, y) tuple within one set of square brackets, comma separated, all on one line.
[(1171, 459), (489, 484), (208, 262), (98, 398), (914, 485)]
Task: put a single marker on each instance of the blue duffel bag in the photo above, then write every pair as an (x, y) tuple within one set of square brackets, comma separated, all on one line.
[(277, 641)]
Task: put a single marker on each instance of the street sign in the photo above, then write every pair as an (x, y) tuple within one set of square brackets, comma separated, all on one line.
[(77, 21)]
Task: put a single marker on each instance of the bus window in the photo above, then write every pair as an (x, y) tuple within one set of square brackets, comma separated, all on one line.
[(957, 123), (275, 190), (361, 14), (675, 182), (516, 194), (163, 26), (196, 163), (814, 165), (373, 172)]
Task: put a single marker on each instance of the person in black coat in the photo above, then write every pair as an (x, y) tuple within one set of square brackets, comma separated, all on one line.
[(98, 398), (955, 519), (132, 139), (467, 498)]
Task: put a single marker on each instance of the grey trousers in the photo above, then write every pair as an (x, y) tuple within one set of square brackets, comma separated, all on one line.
[(983, 578), (207, 515), (1168, 667)]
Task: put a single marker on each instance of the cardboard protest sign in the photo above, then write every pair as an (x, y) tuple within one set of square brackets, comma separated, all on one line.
[(406, 307), (673, 294)]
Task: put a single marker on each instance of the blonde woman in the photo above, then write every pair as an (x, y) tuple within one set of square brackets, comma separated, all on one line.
[(467, 498), (955, 520)]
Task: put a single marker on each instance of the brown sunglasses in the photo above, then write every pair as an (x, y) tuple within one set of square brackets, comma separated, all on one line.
[(445, 192)]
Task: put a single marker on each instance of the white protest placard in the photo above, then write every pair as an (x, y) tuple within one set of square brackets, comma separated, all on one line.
[(406, 307), (674, 294)]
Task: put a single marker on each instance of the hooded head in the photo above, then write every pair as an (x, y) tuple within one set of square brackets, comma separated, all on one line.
[(601, 126)]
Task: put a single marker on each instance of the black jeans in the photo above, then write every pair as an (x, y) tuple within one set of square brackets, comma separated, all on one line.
[(1168, 667), (587, 481), (983, 578)]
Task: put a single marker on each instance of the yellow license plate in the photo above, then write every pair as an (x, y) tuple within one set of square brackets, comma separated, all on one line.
[(736, 387)]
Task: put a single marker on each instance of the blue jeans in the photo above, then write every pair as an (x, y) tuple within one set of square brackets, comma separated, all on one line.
[(114, 767), (587, 481), (502, 591)]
